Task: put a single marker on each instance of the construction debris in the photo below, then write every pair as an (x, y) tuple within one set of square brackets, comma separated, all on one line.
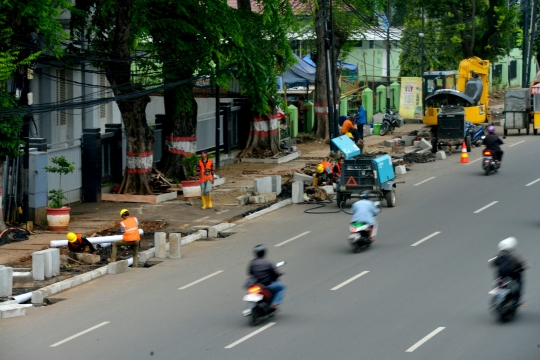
[(316, 193), (412, 158)]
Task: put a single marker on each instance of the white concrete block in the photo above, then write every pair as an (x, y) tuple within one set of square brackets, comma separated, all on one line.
[(12, 310), (102, 270), (85, 277), (204, 234), (297, 192), (263, 185), (160, 240), (55, 261), (39, 296), (175, 251), (259, 199), (440, 155), (306, 179), (48, 264), (117, 267), (213, 231), (392, 142), (6, 281), (328, 188), (145, 255), (424, 144), (66, 284), (56, 288), (400, 170), (38, 265), (242, 200), (77, 280), (424, 151), (408, 140), (95, 274), (276, 184), (416, 144), (271, 196)]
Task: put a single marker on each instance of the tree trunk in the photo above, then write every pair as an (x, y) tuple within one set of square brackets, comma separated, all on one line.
[(321, 92), (264, 134), (2, 223), (140, 138), (179, 129)]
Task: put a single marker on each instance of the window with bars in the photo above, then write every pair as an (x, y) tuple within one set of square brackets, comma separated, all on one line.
[(61, 95), (102, 94)]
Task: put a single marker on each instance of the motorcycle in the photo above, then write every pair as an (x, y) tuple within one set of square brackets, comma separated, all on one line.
[(476, 132), (489, 163), (503, 302), (258, 301), (391, 120), (359, 234)]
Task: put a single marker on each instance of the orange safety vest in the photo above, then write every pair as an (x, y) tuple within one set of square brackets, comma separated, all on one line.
[(202, 176), (327, 166), (131, 229), (339, 169)]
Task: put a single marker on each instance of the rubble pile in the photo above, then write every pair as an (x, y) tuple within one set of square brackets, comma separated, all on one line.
[(417, 158)]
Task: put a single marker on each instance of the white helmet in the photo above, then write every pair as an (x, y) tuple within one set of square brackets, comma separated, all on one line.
[(508, 244)]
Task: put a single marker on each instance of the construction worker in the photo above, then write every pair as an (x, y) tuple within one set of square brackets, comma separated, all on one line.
[(336, 171), (205, 169), (129, 227), (361, 119), (349, 127), (78, 243), (323, 175)]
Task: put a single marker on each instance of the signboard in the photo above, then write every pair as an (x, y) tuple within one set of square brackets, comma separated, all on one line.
[(410, 101)]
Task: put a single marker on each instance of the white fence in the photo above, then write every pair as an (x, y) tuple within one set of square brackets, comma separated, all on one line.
[(71, 183)]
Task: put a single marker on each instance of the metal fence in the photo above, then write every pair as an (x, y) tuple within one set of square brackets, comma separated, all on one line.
[(206, 129), (71, 183)]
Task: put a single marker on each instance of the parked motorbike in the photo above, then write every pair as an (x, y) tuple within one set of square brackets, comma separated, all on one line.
[(391, 120), (258, 300), (476, 132), (489, 163), (503, 302)]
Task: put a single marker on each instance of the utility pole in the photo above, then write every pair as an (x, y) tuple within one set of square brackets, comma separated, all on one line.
[(327, 41), (530, 48), (422, 34), (388, 54), (525, 51), (334, 79)]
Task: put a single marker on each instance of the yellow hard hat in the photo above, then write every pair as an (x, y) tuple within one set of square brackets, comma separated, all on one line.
[(349, 135), (123, 211), (71, 236), (320, 168)]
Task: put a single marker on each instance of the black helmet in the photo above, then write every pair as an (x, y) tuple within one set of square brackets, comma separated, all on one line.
[(259, 251), (364, 195)]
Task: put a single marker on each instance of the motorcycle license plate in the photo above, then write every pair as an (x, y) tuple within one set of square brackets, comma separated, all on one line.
[(246, 312), (488, 157), (355, 236), (253, 297)]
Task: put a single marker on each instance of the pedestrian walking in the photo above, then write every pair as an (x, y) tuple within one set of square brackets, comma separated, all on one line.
[(205, 169), (129, 227)]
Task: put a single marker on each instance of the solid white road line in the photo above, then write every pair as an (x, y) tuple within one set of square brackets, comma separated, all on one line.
[(475, 160), (426, 238), (533, 182), (79, 334), (293, 238), (198, 281), (516, 143), (485, 207), (250, 335), (429, 336), (348, 281), (421, 182)]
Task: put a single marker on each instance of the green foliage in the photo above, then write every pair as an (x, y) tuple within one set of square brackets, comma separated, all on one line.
[(190, 165), (62, 167)]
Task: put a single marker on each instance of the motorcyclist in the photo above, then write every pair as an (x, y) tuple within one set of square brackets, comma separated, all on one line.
[(364, 211), (266, 274), (508, 264), (493, 142)]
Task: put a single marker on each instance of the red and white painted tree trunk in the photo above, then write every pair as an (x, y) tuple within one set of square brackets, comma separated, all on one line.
[(264, 135)]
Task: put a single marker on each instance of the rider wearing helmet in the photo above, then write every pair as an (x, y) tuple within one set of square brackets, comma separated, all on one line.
[(323, 174), (266, 274), (509, 264), (493, 142), (364, 211)]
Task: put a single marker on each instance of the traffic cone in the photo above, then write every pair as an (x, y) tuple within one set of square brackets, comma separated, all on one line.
[(464, 155)]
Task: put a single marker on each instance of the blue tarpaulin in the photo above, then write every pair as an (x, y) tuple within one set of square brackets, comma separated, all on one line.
[(351, 67), (300, 74)]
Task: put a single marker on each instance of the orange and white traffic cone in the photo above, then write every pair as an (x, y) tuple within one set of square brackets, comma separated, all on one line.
[(464, 154)]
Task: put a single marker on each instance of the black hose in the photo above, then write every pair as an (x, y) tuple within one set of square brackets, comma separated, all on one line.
[(323, 204)]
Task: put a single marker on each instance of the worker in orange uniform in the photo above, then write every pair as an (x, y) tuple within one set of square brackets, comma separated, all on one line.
[(205, 169), (349, 126), (129, 226), (323, 175), (78, 243), (336, 171)]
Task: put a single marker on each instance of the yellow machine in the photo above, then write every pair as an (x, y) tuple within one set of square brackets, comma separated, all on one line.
[(472, 84)]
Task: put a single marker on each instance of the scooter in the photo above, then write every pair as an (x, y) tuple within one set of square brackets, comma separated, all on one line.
[(489, 163), (391, 120), (359, 237), (476, 132), (258, 301), (503, 301)]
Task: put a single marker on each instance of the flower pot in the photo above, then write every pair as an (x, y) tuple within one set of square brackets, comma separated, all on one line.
[(58, 219), (191, 189)]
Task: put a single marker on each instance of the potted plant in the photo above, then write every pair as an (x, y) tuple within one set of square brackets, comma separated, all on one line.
[(57, 213), (190, 186)]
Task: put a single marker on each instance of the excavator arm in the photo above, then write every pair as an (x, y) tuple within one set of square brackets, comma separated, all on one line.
[(479, 66)]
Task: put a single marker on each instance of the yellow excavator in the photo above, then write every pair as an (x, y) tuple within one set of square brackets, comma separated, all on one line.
[(449, 102)]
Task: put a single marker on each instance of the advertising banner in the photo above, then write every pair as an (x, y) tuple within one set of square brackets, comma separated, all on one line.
[(410, 101)]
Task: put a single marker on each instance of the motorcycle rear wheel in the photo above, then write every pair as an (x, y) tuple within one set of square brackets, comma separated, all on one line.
[(384, 129), (255, 319)]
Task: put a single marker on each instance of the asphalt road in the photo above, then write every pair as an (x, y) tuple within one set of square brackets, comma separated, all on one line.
[(428, 301)]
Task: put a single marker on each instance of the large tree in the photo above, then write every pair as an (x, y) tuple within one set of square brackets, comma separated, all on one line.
[(22, 23), (112, 33)]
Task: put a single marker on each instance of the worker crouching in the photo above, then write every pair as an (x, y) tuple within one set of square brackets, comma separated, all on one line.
[(78, 243), (129, 226), (323, 175)]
